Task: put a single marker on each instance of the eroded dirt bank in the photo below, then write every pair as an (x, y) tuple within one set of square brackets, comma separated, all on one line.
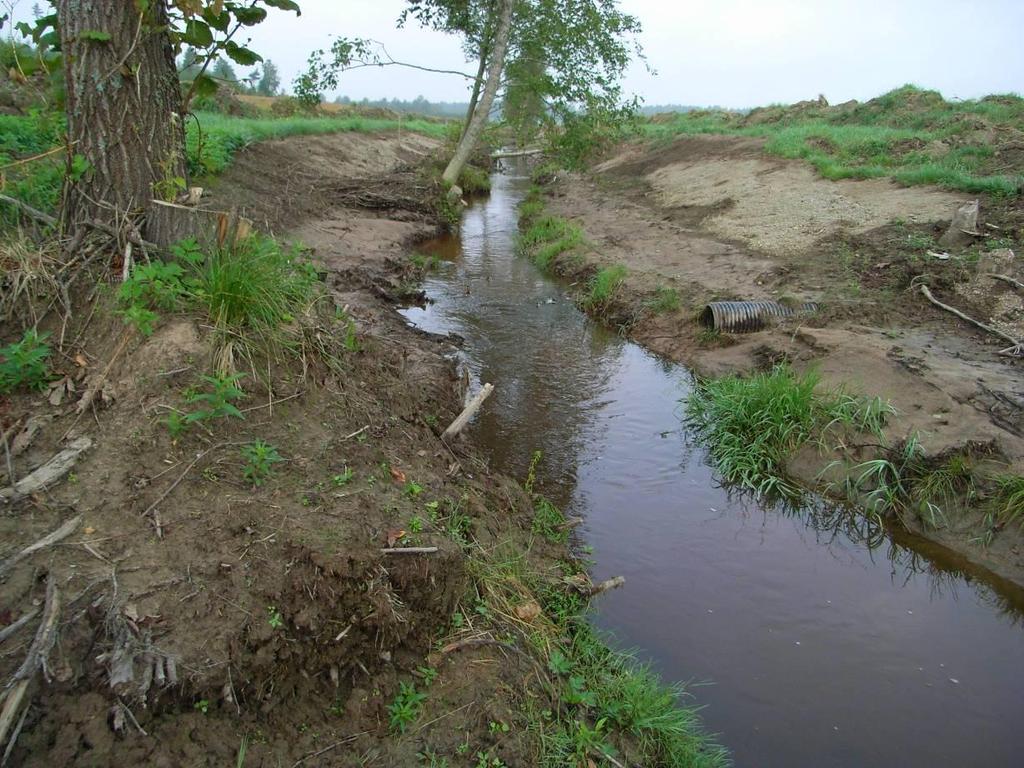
[(713, 218), (203, 618)]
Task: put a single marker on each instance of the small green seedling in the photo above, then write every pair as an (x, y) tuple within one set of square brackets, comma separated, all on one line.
[(260, 459), (559, 663), (274, 617), (343, 478), (202, 706), (218, 402), (404, 710), (416, 524)]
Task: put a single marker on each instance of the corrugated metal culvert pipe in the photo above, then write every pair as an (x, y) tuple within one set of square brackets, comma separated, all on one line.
[(748, 316)]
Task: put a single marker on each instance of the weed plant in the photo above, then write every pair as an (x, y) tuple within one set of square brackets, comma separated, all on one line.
[(23, 364), (547, 238), (260, 459)]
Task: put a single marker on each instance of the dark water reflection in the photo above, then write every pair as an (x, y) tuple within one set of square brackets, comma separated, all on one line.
[(829, 643)]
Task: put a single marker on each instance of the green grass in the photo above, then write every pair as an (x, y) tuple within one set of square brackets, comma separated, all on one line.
[(602, 700), (751, 425), (1007, 504), (603, 288), (910, 135), (548, 237), (665, 300)]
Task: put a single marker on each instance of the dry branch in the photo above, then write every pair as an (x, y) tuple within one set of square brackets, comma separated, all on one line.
[(1006, 279), (49, 473), (35, 658), (1017, 343), (10, 629), (409, 550), (28, 210), (467, 413), (58, 535)]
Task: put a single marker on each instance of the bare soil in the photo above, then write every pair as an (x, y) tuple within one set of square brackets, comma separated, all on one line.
[(714, 218), (288, 627)]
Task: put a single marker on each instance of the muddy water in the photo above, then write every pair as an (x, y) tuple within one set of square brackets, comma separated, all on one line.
[(823, 645)]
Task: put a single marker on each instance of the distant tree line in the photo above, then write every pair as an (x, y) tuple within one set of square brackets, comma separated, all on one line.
[(418, 106)]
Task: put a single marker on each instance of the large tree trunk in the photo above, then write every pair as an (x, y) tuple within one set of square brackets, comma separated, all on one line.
[(476, 124), (123, 107)]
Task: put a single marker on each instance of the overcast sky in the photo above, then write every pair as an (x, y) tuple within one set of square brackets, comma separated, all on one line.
[(734, 53)]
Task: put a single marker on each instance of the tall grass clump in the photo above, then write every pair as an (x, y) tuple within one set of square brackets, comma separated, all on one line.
[(547, 238), (752, 424), (250, 289), (603, 287)]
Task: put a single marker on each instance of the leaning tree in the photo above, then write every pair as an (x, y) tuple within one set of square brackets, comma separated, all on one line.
[(125, 107)]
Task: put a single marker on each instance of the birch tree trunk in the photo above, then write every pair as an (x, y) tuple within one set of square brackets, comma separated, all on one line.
[(123, 107), (476, 124)]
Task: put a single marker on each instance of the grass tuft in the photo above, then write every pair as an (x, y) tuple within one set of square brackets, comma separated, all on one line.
[(751, 425)]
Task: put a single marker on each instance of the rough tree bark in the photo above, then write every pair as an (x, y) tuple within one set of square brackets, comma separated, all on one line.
[(483, 109), (477, 84), (123, 107)]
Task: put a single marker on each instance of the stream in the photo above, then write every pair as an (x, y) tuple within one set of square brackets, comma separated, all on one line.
[(821, 643)]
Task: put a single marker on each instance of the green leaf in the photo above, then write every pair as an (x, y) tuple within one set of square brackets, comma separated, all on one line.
[(284, 5), (198, 34), (219, 21), (204, 85), (95, 34), (241, 55), (250, 16)]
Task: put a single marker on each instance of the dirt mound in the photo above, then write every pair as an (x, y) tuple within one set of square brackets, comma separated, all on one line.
[(772, 205)]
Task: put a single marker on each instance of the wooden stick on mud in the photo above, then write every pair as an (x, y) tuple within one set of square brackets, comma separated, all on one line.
[(10, 629), (35, 659), (409, 550), (467, 413), (47, 474), (1007, 279), (58, 535), (1017, 343)]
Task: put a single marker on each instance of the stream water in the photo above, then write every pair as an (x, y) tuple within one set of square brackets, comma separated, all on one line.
[(822, 644)]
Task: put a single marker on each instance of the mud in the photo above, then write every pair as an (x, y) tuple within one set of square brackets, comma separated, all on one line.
[(288, 627), (769, 229)]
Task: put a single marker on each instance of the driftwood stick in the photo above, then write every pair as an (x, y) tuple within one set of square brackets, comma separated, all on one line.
[(604, 586), (328, 748), (1007, 279), (49, 473), (467, 413), (10, 629), (409, 550), (35, 659), (28, 210), (14, 737), (52, 538), (994, 331)]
